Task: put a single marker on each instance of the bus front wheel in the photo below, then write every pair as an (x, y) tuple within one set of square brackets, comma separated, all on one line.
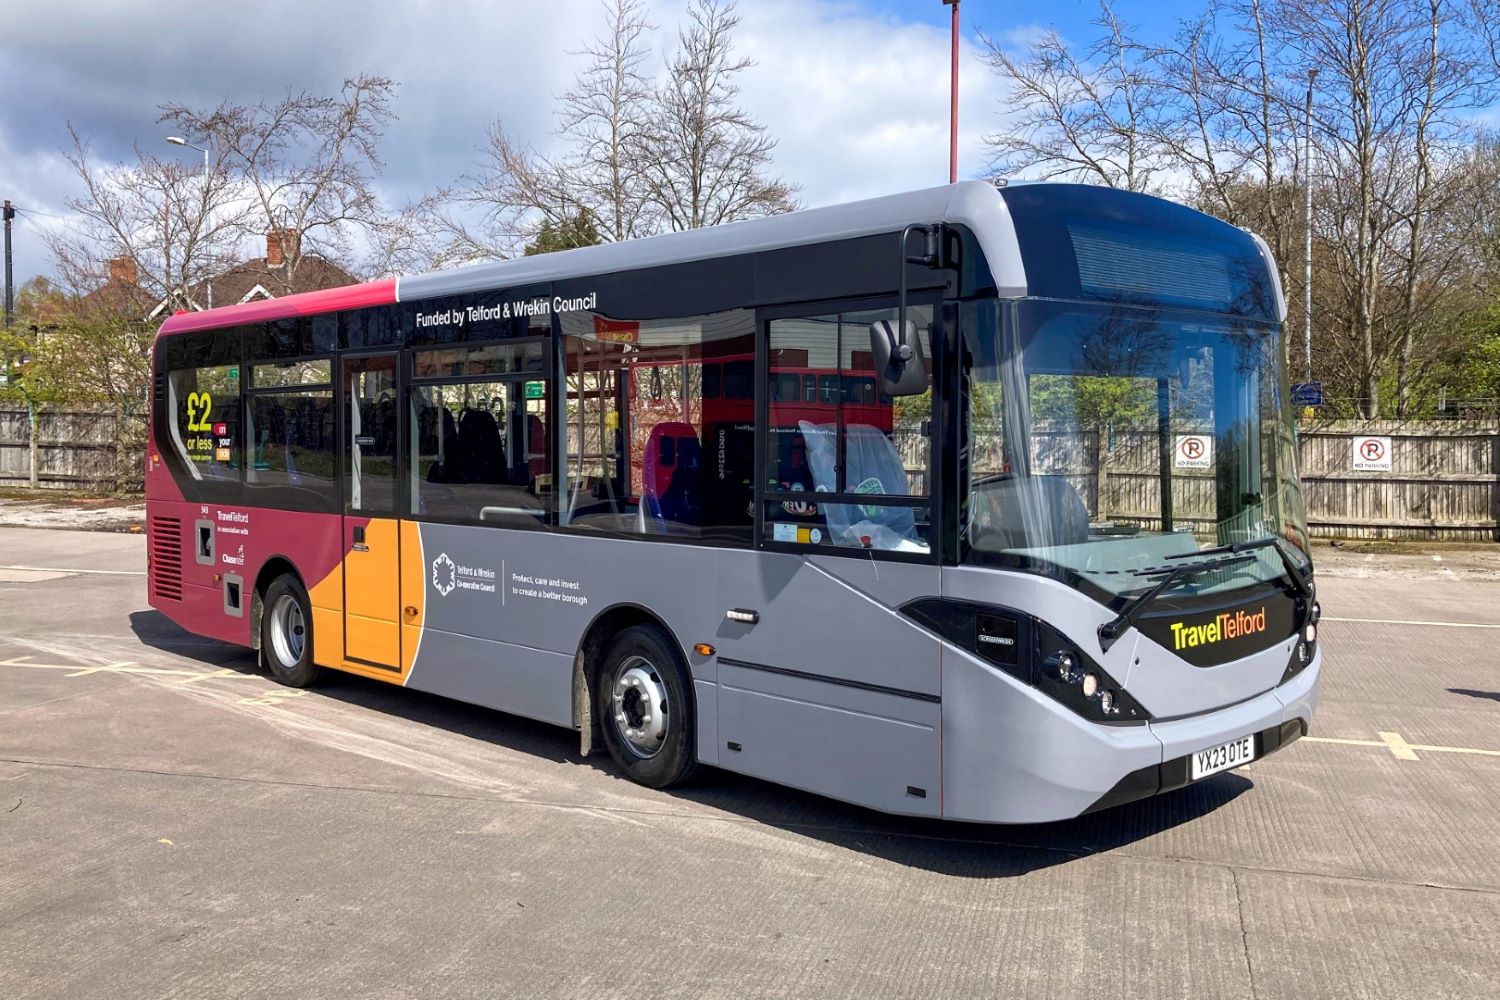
[(286, 633), (645, 708)]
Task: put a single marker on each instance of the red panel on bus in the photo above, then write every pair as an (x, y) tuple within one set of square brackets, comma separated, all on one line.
[(370, 293)]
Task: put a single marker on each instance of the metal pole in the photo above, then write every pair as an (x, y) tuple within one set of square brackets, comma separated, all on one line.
[(1307, 285), (953, 100), (10, 283)]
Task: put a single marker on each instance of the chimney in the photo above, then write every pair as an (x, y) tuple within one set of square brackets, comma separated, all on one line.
[(280, 243), (123, 271)]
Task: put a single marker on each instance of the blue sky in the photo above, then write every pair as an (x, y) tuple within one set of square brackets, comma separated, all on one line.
[(1070, 17)]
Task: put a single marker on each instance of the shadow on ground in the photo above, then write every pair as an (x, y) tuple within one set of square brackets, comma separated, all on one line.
[(1471, 693), (965, 849)]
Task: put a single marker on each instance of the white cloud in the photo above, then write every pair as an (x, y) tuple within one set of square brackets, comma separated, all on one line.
[(858, 102)]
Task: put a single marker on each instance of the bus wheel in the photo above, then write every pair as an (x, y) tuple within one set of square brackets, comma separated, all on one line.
[(286, 633), (646, 709)]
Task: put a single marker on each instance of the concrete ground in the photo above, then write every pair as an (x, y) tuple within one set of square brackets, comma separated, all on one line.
[(174, 825)]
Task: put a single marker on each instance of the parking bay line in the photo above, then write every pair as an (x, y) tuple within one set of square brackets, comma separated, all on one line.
[(1402, 621), (125, 667), (1399, 748), (61, 569)]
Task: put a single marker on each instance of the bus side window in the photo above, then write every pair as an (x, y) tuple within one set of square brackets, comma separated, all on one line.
[(659, 417), (840, 436), (478, 450)]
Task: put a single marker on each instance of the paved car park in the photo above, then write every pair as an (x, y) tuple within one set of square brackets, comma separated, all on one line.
[(172, 824)]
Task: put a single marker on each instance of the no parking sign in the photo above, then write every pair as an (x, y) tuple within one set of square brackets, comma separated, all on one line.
[(1372, 454), (1193, 451)]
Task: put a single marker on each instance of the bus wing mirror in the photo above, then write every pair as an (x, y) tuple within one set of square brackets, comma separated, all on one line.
[(898, 357)]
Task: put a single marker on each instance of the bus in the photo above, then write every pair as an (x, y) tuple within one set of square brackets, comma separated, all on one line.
[(979, 502)]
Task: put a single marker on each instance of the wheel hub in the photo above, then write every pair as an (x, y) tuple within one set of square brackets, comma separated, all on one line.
[(288, 630), (639, 706)]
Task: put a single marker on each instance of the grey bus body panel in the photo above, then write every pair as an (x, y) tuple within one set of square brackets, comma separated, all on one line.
[(808, 700), (972, 203)]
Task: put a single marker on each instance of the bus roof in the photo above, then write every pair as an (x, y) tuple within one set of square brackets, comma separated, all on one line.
[(975, 203)]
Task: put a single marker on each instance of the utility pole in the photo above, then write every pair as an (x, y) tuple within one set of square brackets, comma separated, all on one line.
[(953, 99), (1307, 286), (10, 277)]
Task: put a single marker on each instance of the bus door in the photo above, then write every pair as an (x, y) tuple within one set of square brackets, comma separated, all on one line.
[(372, 577)]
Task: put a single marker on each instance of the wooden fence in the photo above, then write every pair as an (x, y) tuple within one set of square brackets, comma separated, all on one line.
[(1443, 483), (76, 449)]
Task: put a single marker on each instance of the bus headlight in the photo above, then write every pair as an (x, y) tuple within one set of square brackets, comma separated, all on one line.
[(1106, 702), (1310, 633), (1089, 686), (1060, 666)]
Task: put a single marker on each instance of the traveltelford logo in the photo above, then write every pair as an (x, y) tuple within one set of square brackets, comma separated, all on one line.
[(1229, 625)]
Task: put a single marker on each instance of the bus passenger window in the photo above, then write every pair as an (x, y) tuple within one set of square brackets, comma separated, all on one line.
[(660, 416), (841, 436), (478, 447), (204, 413), (292, 449)]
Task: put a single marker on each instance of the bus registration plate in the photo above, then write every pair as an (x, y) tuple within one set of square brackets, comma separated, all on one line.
[(1223, 757)]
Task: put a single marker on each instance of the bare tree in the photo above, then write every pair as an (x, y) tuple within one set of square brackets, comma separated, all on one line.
[(606, 115), (306, 163), (705, 157), (149, 231), (1395, 79), (1094, 117), (602, 120)]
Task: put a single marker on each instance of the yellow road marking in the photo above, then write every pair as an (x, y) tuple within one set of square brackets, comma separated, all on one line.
[(1399, 748), (90, 572), (221, 672), (125, 667), (1405, 621)]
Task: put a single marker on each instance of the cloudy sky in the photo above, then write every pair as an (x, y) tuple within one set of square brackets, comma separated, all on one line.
[(854, 90)]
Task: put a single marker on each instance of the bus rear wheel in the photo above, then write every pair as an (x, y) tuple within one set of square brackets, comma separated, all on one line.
[(286, 633), (646, 709)]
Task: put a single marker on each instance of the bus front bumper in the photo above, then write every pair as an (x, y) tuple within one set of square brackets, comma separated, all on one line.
[(1058, 766)]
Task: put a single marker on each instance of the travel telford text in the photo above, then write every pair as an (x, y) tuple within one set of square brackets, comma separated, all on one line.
[(1228, 625)]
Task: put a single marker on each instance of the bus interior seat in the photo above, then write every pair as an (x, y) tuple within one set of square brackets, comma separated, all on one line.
[(873, 466), (481, 449), (536, 448), (1035, 512), (670, 474)]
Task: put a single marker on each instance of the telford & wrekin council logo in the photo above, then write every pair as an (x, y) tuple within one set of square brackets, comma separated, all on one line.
[(444, 575)]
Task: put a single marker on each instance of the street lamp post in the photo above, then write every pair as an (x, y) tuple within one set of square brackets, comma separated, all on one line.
[(178, 140), (1307, 288), (953, 99)]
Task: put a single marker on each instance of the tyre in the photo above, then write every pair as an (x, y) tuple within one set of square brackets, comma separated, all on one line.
[(646, 708), (286, 633)]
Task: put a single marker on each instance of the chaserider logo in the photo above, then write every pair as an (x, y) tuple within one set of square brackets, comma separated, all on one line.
[(1228, 625), (444, 575)]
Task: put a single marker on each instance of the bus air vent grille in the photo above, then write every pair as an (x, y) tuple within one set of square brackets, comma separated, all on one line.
[(166, 558), (160, 388)]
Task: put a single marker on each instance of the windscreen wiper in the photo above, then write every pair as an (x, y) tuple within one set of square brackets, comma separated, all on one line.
[(1111, 631), (1299, 580)]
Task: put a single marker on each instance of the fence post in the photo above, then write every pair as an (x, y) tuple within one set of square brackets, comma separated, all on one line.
[(35, 452), (1495, 486)]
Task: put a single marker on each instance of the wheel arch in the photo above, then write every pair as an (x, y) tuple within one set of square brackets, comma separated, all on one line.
[(273, 567), (588, 660)]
